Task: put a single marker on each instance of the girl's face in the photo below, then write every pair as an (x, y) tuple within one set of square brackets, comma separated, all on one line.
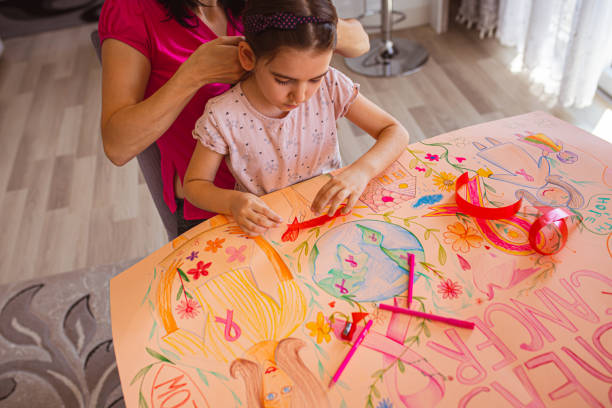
[(289, 79), (277, 387)]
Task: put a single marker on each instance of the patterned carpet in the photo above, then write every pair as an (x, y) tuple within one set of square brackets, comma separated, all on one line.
[(56, 348)]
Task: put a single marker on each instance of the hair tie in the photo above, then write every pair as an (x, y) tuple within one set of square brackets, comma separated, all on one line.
[(282, 21)]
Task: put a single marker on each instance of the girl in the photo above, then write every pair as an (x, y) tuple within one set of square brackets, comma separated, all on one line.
[(161, 62), (277, 127)]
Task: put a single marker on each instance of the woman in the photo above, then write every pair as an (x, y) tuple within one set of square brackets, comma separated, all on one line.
[(161, 61)]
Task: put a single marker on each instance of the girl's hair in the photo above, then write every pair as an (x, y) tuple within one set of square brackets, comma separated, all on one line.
[(179, 10), (308, 391), (319, 35)]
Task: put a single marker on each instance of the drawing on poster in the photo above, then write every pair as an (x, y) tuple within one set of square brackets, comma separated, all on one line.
[(231, 320)]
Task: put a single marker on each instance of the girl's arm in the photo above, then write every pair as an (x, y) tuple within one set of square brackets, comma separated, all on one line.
[(129, 123), (391, 140), (353, 41), (250, 212)]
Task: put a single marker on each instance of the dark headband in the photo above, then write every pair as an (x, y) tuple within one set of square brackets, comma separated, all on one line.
[(283, 21)]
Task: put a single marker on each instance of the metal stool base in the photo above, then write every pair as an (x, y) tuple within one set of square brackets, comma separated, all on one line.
[(406, 57)]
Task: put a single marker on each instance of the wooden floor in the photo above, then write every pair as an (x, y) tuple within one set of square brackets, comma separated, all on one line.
[(65, 206)]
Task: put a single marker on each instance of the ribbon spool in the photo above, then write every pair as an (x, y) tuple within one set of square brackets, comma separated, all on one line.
[(551, 217)]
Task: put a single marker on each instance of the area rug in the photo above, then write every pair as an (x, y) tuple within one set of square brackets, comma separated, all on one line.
[(56, 347), (25, 17)]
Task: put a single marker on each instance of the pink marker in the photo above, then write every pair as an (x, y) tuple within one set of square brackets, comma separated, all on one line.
[(410, 277), (448, 320), (350, 353)]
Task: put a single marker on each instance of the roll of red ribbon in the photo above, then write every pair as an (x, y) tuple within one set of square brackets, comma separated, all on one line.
[(555, 216), (487, 213)]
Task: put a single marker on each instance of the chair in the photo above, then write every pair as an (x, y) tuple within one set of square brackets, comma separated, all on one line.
[(149, 161), (388, 56)]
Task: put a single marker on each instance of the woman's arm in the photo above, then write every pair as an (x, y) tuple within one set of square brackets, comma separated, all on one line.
[(249, 211), (391, 140), (353, 41), (129, 123)]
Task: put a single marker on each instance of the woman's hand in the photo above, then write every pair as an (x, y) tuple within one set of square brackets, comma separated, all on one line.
[(253, 215), (353, 41), (213, 62), (347, 185)]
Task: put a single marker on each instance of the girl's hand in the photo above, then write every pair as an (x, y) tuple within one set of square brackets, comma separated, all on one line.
[(253, 215), (347, 185), (214, 62)]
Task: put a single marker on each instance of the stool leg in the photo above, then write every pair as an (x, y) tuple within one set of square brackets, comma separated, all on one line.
[(385, 16), (388, 57)]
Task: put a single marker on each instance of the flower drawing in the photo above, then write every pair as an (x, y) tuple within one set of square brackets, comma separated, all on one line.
[(214, 245), (444, 181), (385, 403), (449, 289), (432, 157), (201, 269), (379, 316), (187, 309), (462, 237), (235, 253), (484, 172), (319, 329)]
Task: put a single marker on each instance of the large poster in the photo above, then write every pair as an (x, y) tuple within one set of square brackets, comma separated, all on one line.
[(219, 319)]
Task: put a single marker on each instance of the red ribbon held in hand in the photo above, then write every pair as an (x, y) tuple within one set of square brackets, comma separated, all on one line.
[(294, 228)]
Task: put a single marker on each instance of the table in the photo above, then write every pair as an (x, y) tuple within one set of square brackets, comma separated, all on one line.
[(261, 319)]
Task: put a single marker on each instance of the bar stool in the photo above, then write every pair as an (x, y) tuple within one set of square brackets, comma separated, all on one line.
[(388, 57)]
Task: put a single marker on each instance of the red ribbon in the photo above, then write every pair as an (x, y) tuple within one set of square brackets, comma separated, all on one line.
[(294, 228), (554, 216), (487, 213)]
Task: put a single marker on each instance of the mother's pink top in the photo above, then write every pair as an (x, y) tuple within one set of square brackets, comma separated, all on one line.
[(144, 25)]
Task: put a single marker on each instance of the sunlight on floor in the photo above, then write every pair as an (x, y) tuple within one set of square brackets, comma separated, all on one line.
[(603, 129), (516, 65)]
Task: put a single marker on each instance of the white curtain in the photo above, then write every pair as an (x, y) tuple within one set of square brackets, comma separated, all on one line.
[(565, 44)]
